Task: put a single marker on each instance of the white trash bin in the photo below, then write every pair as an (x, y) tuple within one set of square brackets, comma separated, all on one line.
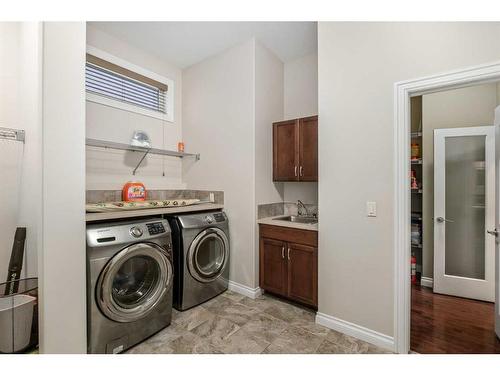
[(16, 318)]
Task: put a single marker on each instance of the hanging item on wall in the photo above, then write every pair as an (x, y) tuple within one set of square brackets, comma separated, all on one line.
[(134, 191), (140, 139)]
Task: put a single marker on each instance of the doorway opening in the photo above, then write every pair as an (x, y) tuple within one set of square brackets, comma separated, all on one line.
[(404, 91), (452, 207)]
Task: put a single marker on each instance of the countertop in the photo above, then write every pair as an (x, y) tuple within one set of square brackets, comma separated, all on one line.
[(97, 216), (282, 223)]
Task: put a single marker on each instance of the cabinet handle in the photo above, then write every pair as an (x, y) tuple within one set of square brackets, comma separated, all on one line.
[(295, 171), (288, 255), (300, 171), (283, 252)]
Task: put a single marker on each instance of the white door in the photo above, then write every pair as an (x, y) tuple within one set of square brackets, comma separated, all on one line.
[(497, 222), (464, 210)]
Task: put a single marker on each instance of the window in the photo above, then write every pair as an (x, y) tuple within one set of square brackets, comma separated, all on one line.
[(115, 85)]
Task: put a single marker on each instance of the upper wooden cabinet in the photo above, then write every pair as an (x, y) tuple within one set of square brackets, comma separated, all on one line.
[(295, 150)]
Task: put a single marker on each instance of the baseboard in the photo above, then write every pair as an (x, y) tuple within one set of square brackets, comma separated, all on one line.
[(244, 290), (357, 331), (427, 281)]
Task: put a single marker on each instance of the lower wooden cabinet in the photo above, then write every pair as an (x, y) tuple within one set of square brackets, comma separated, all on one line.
[(274, 271), (289, 263)]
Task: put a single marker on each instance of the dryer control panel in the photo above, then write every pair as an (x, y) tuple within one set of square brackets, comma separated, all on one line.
[(219, 216)]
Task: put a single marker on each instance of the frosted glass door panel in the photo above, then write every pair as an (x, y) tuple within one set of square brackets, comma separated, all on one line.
[(465, 199)]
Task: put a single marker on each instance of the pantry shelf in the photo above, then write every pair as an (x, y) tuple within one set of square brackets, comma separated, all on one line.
[(125, 147)]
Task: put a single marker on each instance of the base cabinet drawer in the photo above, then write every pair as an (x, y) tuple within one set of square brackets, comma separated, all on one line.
[(288, 268)]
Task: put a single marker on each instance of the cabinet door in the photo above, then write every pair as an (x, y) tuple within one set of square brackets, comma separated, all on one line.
[(273, 275), (303, 273), (308, 149), (285, 151)]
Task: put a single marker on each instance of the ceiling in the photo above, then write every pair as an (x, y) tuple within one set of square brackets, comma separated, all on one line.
[(187, 43)]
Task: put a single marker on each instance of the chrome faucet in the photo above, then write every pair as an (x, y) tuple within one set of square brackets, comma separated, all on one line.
[(301, 204)]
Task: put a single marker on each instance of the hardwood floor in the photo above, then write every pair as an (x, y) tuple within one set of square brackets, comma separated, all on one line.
[(445, 324)]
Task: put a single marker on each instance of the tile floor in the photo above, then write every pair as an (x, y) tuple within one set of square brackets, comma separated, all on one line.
[(233, 323)]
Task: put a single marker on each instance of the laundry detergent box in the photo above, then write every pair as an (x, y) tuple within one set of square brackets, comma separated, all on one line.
[(134, 191)]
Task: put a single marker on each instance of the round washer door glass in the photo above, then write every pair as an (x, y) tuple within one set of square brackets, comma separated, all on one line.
[(133, 282), (208, 255)]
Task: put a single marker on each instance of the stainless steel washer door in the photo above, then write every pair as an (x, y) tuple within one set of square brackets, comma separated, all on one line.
[(133, 282), (208, 255)]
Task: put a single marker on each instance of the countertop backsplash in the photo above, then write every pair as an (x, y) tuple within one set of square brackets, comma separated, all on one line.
[(97, 196), (282, 208)]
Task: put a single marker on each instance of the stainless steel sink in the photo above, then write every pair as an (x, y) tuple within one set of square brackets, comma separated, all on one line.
[(299, 219)]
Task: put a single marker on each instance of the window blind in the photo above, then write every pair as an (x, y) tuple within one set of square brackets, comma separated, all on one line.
[(132, 90)]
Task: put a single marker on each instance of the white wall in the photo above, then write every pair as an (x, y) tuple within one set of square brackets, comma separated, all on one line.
[(301, 100), (30, 82), (62, 261), (469, 106), (11, 153), (269, 90), (20, 166), (111, 169), (218, 122), (268, 109), (301, 87), (358, 66)]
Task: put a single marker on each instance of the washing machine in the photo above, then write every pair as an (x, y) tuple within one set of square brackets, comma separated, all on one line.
[(201, 257), (129, 283)]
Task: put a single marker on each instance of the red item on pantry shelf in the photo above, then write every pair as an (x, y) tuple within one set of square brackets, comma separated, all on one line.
[(180, 146), (134, 191), (413, 269)]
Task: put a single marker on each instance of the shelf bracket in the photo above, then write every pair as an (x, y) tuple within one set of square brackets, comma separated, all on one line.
[(140, 162)]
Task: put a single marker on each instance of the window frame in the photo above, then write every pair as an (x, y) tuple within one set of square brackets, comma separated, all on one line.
[(114, 103)]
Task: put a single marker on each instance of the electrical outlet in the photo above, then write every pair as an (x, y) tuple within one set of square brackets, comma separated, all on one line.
[(371, 209)]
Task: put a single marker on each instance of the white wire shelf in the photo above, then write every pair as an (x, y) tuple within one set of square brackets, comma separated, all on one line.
[(125, 147), (12, 134)]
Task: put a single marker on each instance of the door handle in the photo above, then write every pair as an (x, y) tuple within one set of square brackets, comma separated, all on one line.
[(288, 255), (440, 219), (300, 171), (283, 252), (295, 171), (493, 232)]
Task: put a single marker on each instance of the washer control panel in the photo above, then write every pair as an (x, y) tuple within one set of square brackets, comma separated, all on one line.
[(155, 228)]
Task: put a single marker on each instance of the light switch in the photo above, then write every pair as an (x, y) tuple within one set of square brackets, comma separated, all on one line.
[(371, 209)]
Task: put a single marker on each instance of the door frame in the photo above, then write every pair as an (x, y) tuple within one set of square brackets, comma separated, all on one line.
[(403, 91)]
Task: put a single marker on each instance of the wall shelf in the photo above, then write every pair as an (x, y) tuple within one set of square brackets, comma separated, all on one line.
[(12, 134), (125, 147), (416, 134)]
